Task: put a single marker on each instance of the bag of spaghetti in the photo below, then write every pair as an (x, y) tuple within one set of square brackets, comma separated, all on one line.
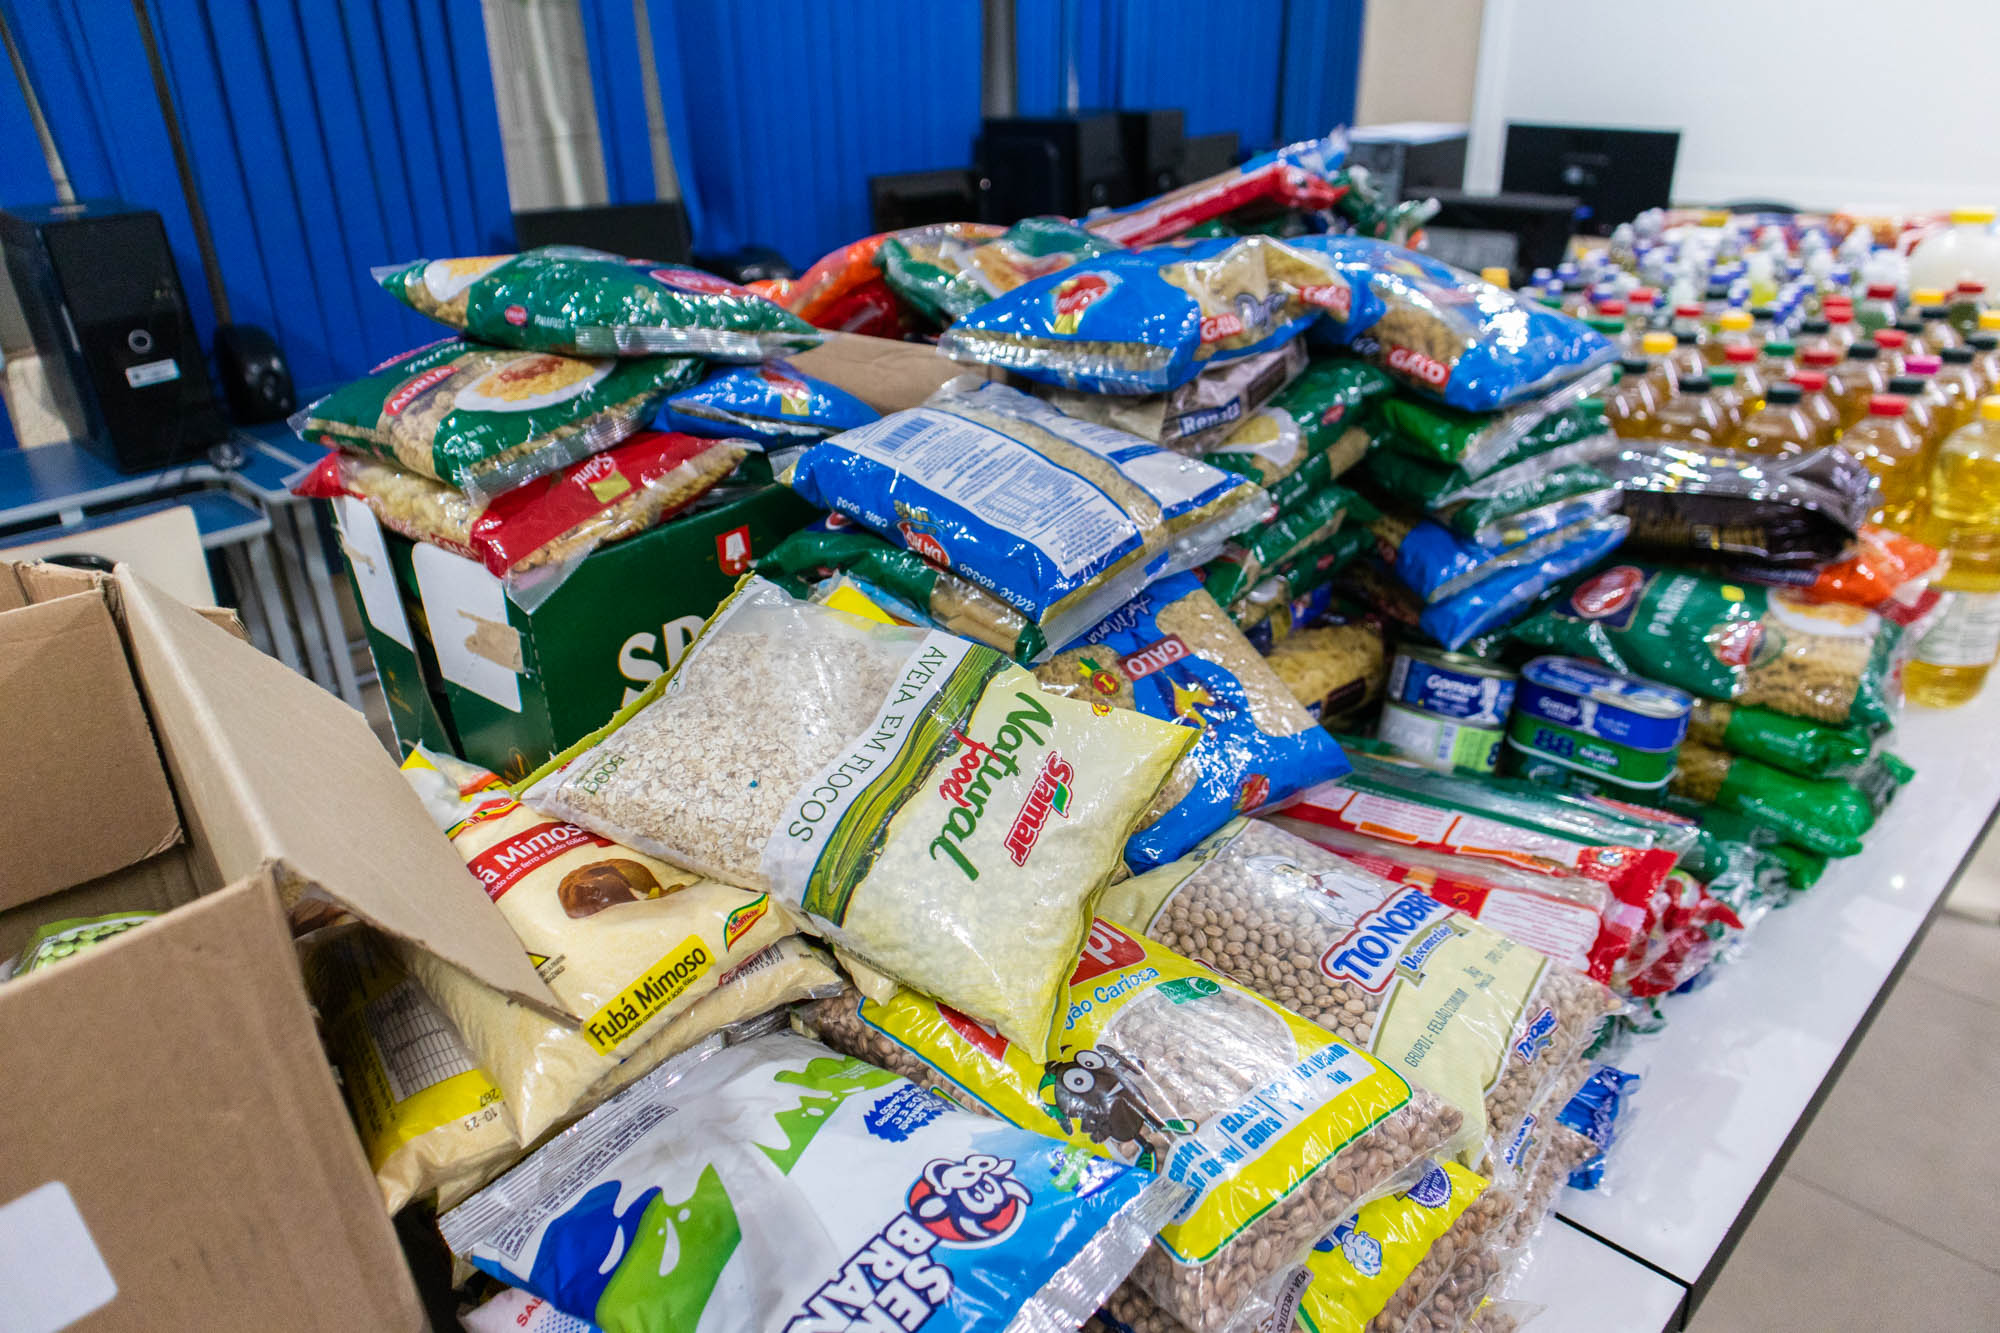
[(626, 942), (1479, 1019), (1172, 654), (1199, 415), (1063, 519), (484, 420), (1278, 1128), (1148, 321), (947, 271), (914, 798), (564, 298)]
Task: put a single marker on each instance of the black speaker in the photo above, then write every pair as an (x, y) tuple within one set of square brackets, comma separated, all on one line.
[(1035, 165), (256, 379), (104, 305), (1155, 151)]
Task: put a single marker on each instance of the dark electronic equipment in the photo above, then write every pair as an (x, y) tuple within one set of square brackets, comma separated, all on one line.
[(1519, 232), (109, 320), (1205, 155), (639, 231), (920, 198), (1410, 161), (1034, 165), (256, 382), (1618, 174), (1155, 152)]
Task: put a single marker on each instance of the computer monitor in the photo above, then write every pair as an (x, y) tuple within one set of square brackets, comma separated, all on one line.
[(920, 198), (1617, 174), (640, 231)]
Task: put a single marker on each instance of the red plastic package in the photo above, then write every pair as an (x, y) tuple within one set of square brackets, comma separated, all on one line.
[(814, 293), (871, 308), (1885, 572), (1280, 183)]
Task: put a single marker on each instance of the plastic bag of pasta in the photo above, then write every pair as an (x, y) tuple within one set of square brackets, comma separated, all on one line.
[(1332, 670), (1479, 1019), (773, 405), (484, 419), (1172, 654), (1151, 320), (1278, 1128), (916, 798), (771, 1184), (1764, 647), (562, 298), (1303, 175), (1493, 601), (947, 271), (1467, 343), (1476, 443), (1809, 749), (1199, 415), (1318, 415), (1436, 564), (901, 579), (1312, 519), (1822, 815), (1064, 519)]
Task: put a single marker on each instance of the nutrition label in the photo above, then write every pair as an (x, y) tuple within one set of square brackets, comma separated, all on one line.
[(417, 1047), (1968, 635)]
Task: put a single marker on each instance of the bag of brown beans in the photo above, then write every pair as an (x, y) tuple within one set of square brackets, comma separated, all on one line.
[(1481, 1020)]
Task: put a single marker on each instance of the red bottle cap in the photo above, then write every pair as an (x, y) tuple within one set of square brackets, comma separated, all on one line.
[(1819, 356), (1644, 295), (1610, 307), (1887, 405), (1881, 291), (1971, 288), (1740, 352), (1891, 339), (1812, 381), (1687, 312)]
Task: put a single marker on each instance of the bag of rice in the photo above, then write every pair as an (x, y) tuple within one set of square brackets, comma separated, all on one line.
[(1478, 1019), (1198, 416), (916, 798), (771, 1184), (774, 405), (563, 298), (1319, 414), (429, 1119), (1471, 345), (1170, 653), (551, 521), (484, 419), (1278, 1128), (1149, 321), (945, 272), (1825, 662), (1064, 519)]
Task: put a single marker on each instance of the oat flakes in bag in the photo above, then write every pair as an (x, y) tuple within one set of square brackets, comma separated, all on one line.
[(915, 798)]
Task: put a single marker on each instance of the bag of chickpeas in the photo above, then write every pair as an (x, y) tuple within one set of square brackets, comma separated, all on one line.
[(1479, 1019), (1279, 1128)]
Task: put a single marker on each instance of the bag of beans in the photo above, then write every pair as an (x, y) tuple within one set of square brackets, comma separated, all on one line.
[(1278, 1128), (916, 799), (1477, 1018)]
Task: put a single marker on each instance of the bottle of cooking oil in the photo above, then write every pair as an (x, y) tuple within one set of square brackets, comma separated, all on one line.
[(1952, 660)]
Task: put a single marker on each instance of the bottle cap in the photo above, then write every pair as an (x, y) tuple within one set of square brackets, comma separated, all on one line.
[(1611, 308), (1989, 321), (1927, 296), (1686, 338), (1932, 312), (1863, 351), (1817, 324), (1839, 314), (1973, 216), (1722, 377), (1786, 394), (1893, 339), (1812, 381), (1499, 277), (1985, 342), (1956, 356), (1780, 347), (1695, 383), (1970, 288), (1913, 326), (1881, 291), (1657, 343), (1608, 325), (1687, 311), (1907, 385), (1819, 356), (1887, 405), (1643, 296), (1734, 321), (1989, 407), (1923, 365), (1634, 365), (1739, 354), (1763, 312)]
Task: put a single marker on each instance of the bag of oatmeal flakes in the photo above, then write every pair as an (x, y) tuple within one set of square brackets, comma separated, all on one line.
[(1458, 1008), (484, 420), (915, 798), (1171, 653), (1278, 1128), (1061, 518), (564, 298)]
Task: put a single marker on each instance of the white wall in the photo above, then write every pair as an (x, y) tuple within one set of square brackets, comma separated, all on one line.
[(1417, 61), (1821, 103)]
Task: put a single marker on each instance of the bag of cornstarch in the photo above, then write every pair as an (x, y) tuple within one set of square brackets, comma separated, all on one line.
[(776, 1185)]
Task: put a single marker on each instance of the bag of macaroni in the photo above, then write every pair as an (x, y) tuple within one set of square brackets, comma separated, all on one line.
[(773, 1185)]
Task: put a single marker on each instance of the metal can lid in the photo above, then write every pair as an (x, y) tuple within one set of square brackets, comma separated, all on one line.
[(1575, 675)]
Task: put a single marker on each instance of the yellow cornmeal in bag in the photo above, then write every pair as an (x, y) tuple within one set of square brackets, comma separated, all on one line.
[(625, 941), (427, 1116)]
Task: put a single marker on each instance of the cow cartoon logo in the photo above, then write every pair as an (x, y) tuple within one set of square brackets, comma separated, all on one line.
[(971, 1203)]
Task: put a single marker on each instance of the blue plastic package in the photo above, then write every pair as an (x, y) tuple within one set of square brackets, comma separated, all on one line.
[(1437, 563), (772, 404), (1492, 603), (775, 1185), (1440, 330), (1184, 674), (1060, 518), (1594, 1113), (1148, 321)]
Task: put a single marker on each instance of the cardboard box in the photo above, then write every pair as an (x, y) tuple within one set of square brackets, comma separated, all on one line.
[(465, 669), (177, 1154)]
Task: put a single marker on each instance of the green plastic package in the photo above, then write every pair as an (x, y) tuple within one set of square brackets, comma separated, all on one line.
[(943, 599), (59, 940), (1808, 749), (1822, 815), (1314, 567), (1738, 642), (1311, 416), (944, 274), (1802, 868), (1243, 563), (1481, 442)]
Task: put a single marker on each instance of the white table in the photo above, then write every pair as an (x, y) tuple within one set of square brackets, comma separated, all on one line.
[(1732, 1082)]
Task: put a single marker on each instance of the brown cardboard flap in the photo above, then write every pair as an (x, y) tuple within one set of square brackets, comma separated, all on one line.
[(23, 584), (82, 792), (170, 1081), (883, 373), (270, 768)]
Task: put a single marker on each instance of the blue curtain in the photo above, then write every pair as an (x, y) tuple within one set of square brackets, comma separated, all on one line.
[(327, 138)]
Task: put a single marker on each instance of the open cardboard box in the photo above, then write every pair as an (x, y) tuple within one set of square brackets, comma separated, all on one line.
[(177, 1153)]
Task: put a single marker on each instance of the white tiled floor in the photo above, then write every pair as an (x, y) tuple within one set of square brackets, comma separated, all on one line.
[(1888, 1214)]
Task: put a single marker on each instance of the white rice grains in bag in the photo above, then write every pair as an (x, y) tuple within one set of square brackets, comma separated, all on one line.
[(915, 797), (1454, 1006)]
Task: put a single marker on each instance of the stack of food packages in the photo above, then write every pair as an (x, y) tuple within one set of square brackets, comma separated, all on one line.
[(1148, 1000)]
